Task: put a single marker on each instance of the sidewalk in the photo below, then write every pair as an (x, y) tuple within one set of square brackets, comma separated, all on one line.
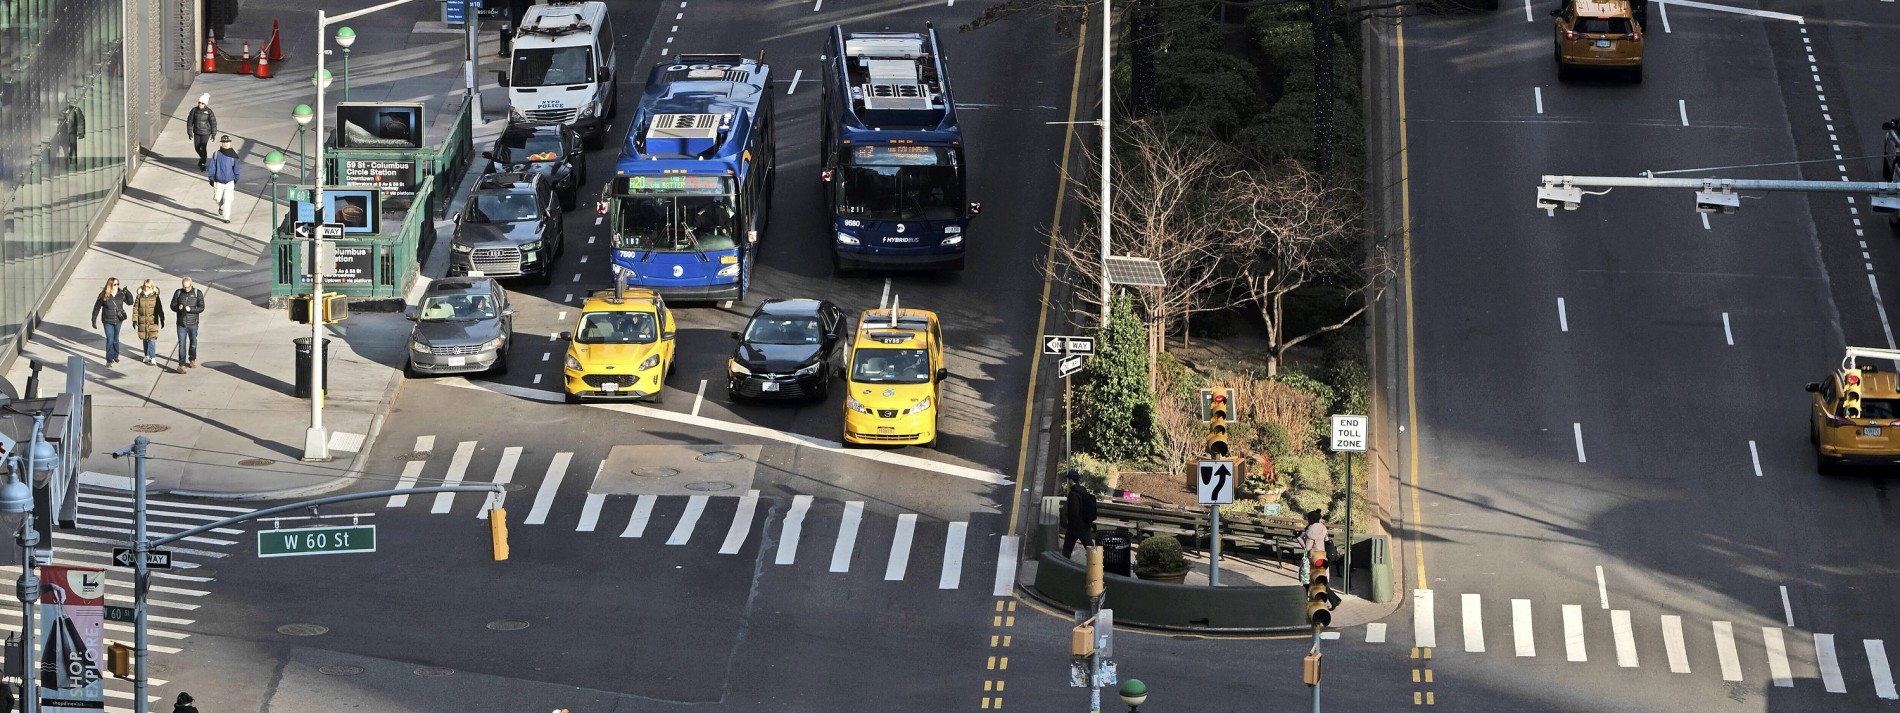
[(230, 428)]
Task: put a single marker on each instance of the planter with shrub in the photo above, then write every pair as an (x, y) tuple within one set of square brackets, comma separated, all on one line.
[(1159, 558)]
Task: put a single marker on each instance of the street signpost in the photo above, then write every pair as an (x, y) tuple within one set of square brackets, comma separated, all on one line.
[(316, 541), (1069, 365), (1349, 436), (1058, 344), (122, 614), (1075, 352), (155, 559), (1214, 486)]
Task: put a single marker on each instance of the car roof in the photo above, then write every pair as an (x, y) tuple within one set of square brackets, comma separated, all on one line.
[(633, 299), (508, 181), (1603, 8), (802, 307), (912, 330), (1878, 384), (463, 285)]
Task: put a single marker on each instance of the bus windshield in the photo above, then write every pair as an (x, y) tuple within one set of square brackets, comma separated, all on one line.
[(552, 66), (901, 183), (674, 223)]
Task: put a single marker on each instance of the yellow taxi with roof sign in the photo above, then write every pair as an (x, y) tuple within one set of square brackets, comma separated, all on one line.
[(1599, 34), (894, 378), (1855, 414), (622, 347)]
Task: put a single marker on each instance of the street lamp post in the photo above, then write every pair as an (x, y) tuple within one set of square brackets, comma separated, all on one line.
[(303, 114), (274, 162), (16, 497), (344, 38), (1107, 212)]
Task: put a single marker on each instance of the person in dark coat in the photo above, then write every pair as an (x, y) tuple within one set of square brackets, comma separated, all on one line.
[(202, 124), (187, 302), (1078, 514), (109, 307), (184, 704)]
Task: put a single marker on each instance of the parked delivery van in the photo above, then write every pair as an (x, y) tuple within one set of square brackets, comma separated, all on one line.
[(562, 71)]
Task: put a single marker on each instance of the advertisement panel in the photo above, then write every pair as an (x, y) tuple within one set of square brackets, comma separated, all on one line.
[(72, 637), (378, 125)]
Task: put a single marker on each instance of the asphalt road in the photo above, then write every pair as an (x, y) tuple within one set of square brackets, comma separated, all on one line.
[(1611, 441)]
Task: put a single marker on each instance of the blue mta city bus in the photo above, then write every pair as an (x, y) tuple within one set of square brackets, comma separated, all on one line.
[(693, 185), (894, 164)]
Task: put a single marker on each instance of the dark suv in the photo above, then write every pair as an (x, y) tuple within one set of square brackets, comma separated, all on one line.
[(510, 228), (552, 150), (789, 350)]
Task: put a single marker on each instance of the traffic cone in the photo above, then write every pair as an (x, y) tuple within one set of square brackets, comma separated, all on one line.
[(276, 44), (245, 68), (263, 66), (211, 54)]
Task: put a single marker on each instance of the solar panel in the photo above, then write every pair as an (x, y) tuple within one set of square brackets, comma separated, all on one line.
[(1135, 271)]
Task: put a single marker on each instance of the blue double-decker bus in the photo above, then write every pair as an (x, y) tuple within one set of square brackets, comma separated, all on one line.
[(692, 188), (894, 161)]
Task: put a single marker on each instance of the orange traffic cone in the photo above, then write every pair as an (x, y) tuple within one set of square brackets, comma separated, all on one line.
[(276, 51), (245, 68), (211, 54), (263, 66)]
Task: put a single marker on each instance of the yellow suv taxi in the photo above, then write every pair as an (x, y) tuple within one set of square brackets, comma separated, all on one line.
[(621, 348), (894, 380), (1598, 34), (1856, 412)]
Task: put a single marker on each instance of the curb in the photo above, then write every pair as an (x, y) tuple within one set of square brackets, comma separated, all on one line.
[(338, 483), (1037, 598)]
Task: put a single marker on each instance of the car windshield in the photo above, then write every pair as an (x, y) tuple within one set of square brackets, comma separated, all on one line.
[(890, 366), (500, 208), (924, 184), (616, 328), (529, 148), (551, 66), (769, 329), (675, 223), (456, 308)]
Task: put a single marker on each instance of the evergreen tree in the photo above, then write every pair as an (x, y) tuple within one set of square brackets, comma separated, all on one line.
[(1116, 407)]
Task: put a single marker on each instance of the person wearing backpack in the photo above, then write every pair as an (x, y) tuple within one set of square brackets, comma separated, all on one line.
[(1078, 509)]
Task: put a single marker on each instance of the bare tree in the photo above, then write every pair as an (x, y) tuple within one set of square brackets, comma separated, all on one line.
[(1293, 231), (1164, 192)]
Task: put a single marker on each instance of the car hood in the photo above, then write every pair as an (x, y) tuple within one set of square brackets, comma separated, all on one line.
[(889, 396), (776, 358), (498, 234), (617, 358), (443, 334), (551, 170)]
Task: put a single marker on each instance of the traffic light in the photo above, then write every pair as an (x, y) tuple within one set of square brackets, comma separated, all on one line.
[(1218, 411), (336, 308), (119, 660), (1320, 600), (1850, 393), (498, 532)]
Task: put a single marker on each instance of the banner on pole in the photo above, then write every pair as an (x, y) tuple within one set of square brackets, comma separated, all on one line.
[(72, 636)]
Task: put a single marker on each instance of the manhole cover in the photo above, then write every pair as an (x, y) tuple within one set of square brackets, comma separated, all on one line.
[(508, 625), (414, 455), (709, 486), (647, 472), (339, 670), (256, 462), (719, 457), (151, 428), (303, 630), (434, 671)]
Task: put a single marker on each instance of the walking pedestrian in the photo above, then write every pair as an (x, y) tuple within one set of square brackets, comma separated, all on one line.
[(224, 174), (1312, 545), (184, 704), (201, 124), (1079, 510), (148, 316), (109, 307), (511, 23), (188, 302)]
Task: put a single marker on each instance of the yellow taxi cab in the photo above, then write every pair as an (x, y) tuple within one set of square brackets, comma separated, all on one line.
[(1598, 34), (894, 378), (621, 348), (1856, 411)]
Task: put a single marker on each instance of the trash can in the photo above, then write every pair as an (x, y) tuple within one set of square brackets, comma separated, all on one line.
[(1116, 548), (303, 366)]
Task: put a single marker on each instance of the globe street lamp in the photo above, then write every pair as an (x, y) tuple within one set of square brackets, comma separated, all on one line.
[(274, 162), (1134, 693), (344, 38), (303, 114), (16, 499)]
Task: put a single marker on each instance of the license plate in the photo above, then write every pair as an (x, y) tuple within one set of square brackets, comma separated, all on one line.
[(1870, 431), (477, 273), (458, 361), (886, 429), (769, 386), (1603, 43), (610, 388)]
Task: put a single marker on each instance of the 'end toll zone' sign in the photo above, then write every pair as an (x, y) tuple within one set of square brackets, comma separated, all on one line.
[(1349, 433)]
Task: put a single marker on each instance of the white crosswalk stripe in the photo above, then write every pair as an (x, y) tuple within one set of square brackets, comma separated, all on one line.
[(900, 547), (1877, 665), (684, 530), (1725, 651), (458, 469), (1521, 632), (847, 536), (1625, 637), (1573, 633), (642, 513), (1673, 644), (590, 512), (741, 524), (504, 474), (1474, 623), (550, 486), (953, 555), (1777, 656), (411, 471), (794, 527), (1829, 662), (1424, 627)]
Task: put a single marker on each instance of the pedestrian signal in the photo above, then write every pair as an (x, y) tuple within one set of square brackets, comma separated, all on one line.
[(336, 308), (1850, 393), (498, 532), (1218, 410)]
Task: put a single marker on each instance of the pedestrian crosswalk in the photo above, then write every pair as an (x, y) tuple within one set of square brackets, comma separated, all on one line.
[(807, 527), (105, 520), (1738, 652)]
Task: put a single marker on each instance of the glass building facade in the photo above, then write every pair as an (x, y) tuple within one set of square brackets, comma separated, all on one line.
[(63, 144)]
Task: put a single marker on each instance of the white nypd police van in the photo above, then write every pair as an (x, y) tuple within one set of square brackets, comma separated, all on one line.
[(562, 71)]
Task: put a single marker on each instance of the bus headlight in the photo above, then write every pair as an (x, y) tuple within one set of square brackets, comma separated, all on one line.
[(953, 240), (729, 270), (847, 239)]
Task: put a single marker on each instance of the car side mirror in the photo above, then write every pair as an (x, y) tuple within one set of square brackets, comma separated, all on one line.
[(490, 155), (567, 335), (943, 374), (412, 316), (458, 218), (735, 335), (666, 335), (1814, 388), (501, 78), (510, 312)]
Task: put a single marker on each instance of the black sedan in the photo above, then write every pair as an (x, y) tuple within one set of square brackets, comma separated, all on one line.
[(789, 350), (552, 150)]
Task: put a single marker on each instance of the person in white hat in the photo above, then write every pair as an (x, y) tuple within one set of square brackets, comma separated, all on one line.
[(202, 124)]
